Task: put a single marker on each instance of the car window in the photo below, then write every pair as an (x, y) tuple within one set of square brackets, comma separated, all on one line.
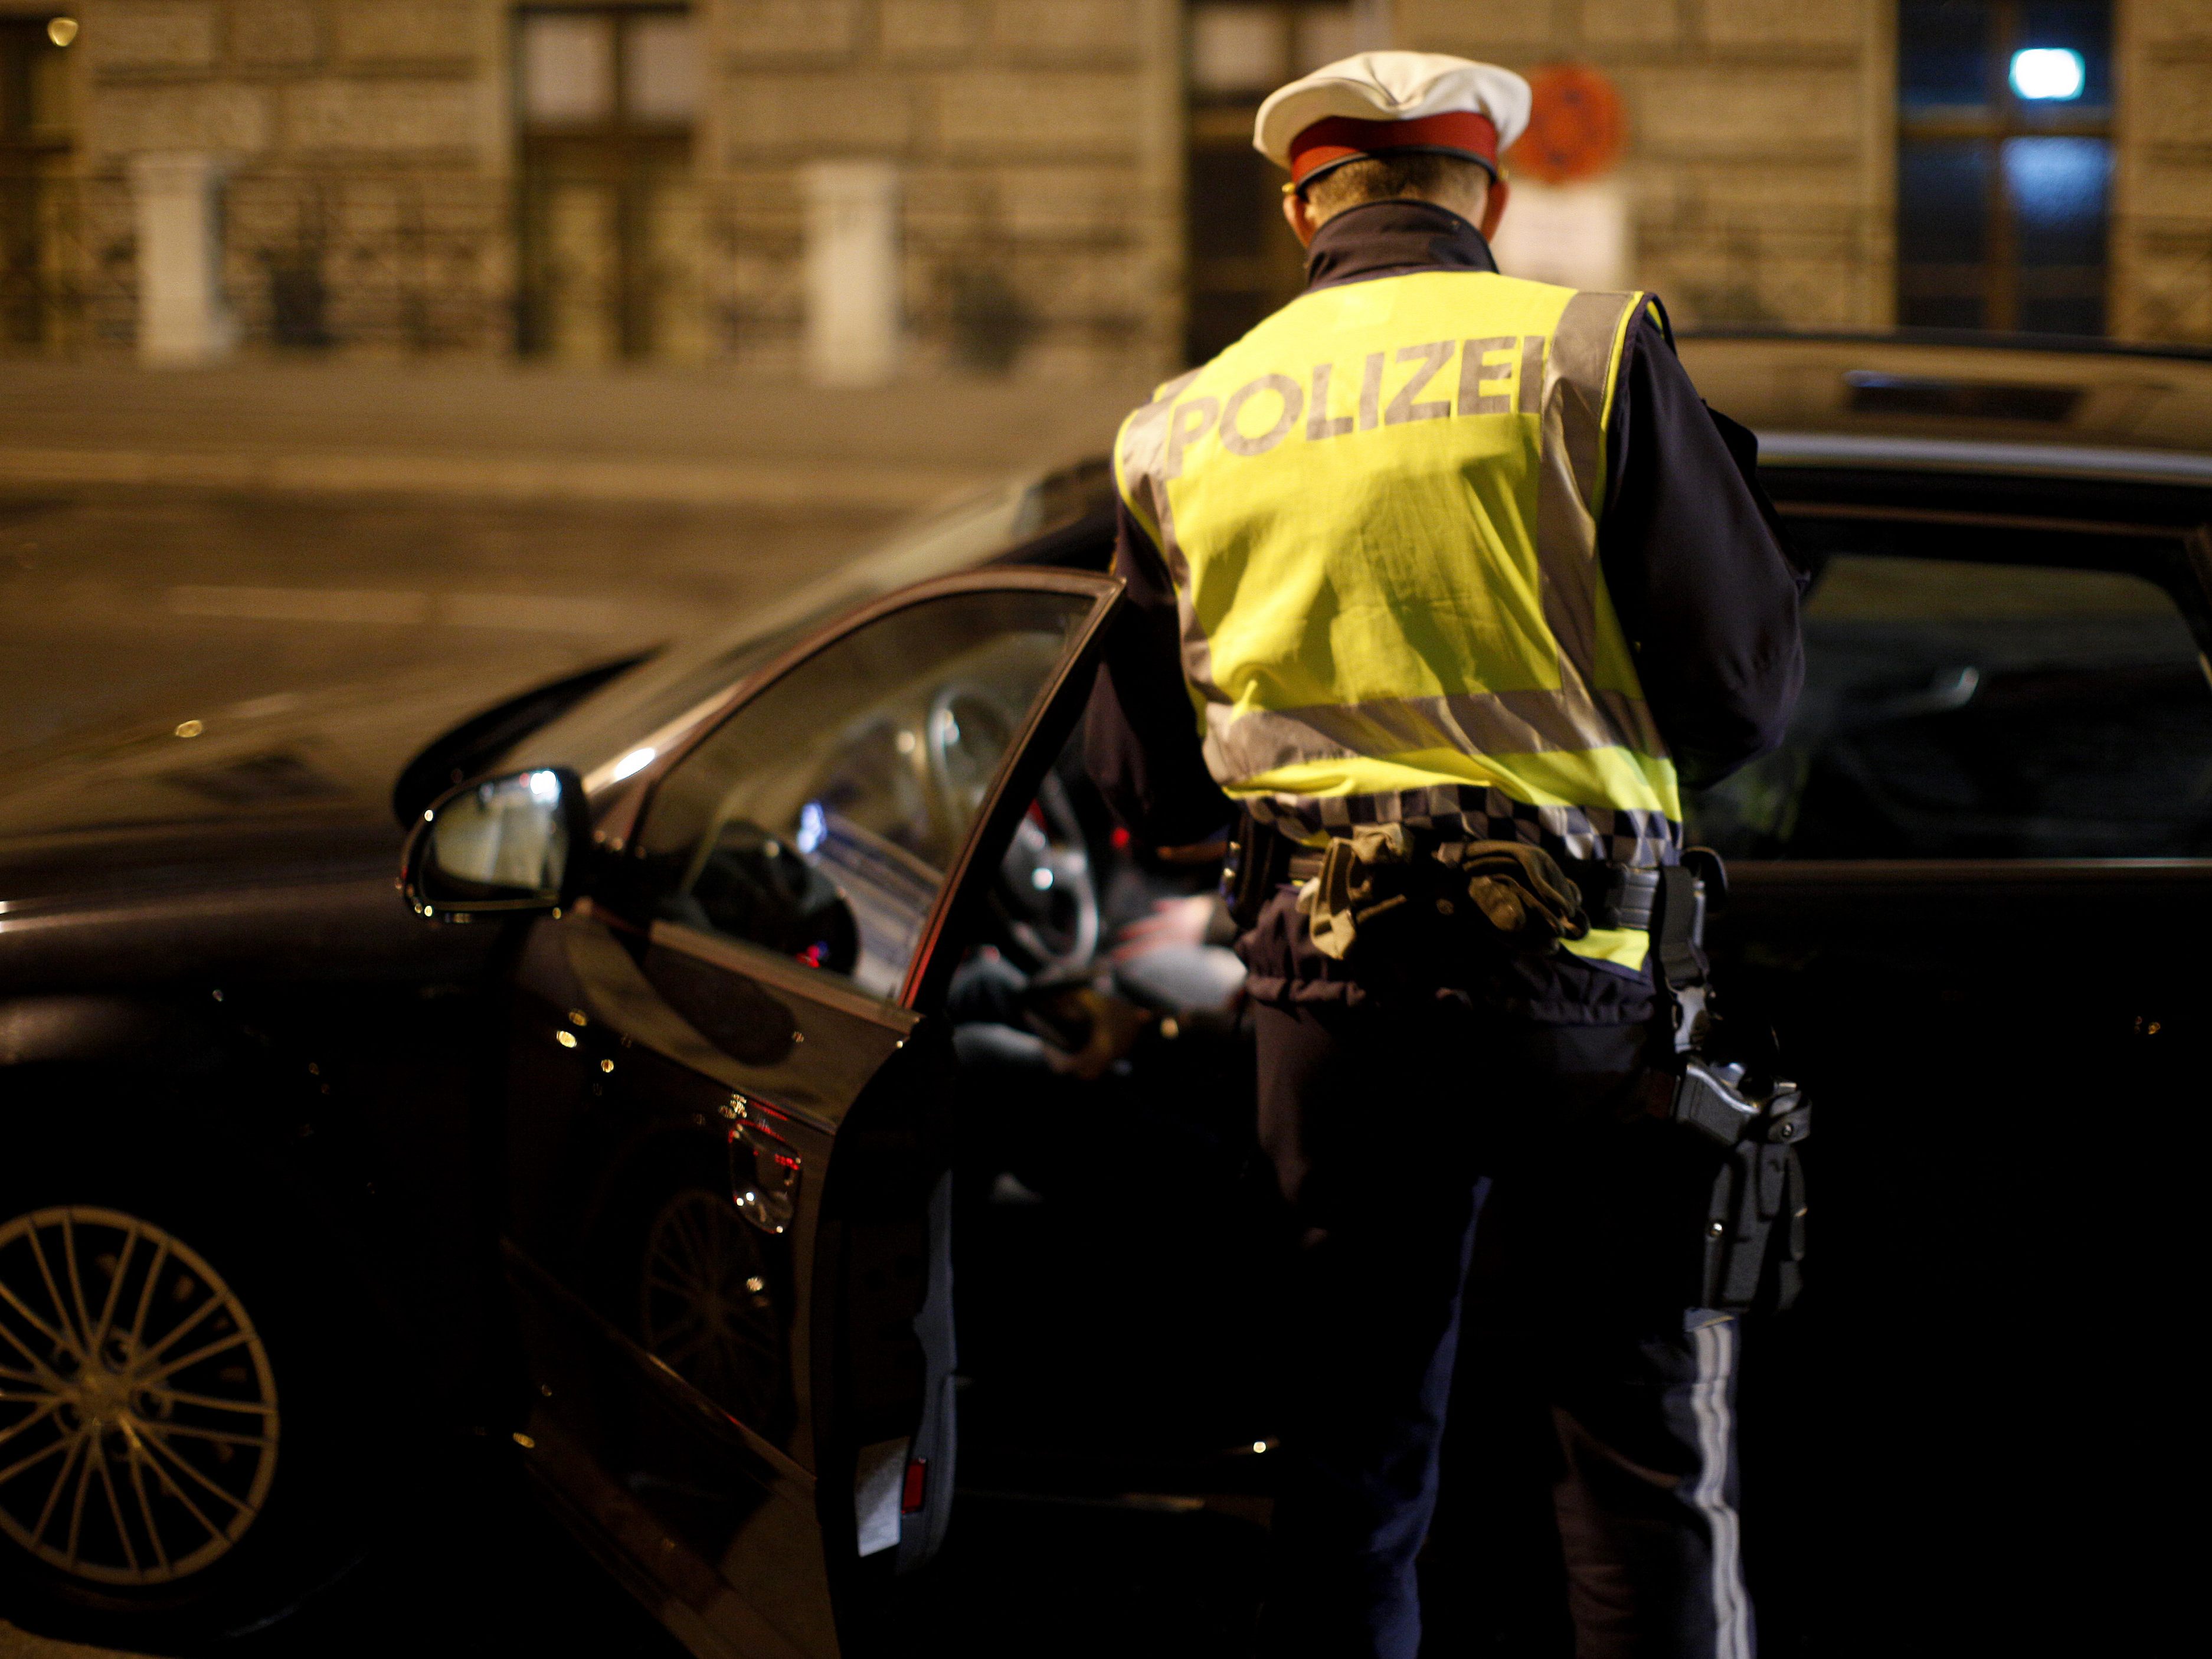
[(691, 672), (1956, 708), (820, 819)]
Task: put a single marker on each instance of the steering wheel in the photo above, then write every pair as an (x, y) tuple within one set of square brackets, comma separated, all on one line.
[(1045, 888), (1045, 891)]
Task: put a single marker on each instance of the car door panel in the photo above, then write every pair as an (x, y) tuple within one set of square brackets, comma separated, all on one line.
[(811, 1047), (1987, 988), (730, 1206), (708, 1513)]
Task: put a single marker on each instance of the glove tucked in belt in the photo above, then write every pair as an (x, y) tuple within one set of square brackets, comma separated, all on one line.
[(1376, 879)]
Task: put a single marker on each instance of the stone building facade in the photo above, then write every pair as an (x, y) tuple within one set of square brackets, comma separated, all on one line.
[(636, 177)]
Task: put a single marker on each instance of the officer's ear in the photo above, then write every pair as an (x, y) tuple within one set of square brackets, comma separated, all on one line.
[(1298, 213), (1494, 210)]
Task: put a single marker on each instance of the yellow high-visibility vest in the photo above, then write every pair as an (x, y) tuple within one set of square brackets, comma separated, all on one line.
[(1379, 509)]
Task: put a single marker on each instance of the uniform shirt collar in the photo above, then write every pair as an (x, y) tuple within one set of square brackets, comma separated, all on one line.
[(1387, 239)]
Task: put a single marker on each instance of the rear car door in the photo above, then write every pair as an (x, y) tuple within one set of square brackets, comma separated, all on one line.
[(1970, 892), (728, 1206)]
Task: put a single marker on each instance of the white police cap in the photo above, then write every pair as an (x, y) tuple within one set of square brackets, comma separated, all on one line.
[(1384, 100)]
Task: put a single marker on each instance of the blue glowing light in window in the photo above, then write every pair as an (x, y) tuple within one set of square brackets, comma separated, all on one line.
[(813, 825), (2047, 73)]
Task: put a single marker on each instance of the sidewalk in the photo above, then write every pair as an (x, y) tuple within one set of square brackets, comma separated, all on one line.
[(504, 431)]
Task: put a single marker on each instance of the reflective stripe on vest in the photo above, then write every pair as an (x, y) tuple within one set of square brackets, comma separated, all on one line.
[(1379, 509)]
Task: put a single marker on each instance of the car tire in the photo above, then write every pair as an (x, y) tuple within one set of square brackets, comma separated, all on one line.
[(184, 1515)]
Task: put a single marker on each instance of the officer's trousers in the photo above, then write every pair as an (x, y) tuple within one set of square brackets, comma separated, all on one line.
[(1391, 1132)]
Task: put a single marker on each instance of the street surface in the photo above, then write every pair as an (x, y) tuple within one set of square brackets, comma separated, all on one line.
[(490, 1574), (171, 543), (483, 1571), (174, 545), (120, 604)]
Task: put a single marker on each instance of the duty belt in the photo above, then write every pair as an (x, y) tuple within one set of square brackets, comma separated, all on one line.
[(1613, 895)]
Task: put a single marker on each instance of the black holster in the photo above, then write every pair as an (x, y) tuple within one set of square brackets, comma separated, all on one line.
[(1754, 1223), (1754, 1244)]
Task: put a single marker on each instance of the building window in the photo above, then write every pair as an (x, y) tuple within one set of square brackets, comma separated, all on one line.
[(1243, 261), (605, 100), (2004, 164)]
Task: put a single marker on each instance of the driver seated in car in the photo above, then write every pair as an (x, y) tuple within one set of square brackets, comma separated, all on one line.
[(1030, 1042)]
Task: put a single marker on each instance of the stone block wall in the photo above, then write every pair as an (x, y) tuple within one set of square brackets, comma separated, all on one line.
[(371, 149), (1039, 146), (2162, 234), (364, 145), (1759, 140)]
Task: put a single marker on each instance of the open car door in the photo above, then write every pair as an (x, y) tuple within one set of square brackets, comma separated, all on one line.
[(726, 1140)]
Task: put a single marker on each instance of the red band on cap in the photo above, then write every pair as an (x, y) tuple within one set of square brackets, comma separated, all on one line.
[(1340, 138)]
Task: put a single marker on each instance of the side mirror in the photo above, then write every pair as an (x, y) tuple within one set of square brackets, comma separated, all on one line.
[(505, 846)]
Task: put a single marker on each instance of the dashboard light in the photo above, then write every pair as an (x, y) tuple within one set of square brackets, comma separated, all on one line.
[(2047, 74), (633, 764)]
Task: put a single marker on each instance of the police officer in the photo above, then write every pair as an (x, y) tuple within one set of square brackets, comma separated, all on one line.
[(1438, 549)]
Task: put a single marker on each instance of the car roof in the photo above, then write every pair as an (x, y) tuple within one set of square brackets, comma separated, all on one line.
[(1959, 401)]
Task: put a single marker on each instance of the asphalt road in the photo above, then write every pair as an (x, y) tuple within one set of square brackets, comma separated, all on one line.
[(482, 1569), (119, 605), (173, 546), (489, 1573)]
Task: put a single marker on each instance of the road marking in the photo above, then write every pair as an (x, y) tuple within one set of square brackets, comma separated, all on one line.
[(325, 604), (539, 613), (546, 613), (795, 485)]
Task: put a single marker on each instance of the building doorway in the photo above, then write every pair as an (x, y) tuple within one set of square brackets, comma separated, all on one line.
[(1242, 262), (609, 238), (34, 154)]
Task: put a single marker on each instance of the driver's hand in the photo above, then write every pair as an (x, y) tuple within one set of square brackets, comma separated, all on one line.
[(1173, 922)]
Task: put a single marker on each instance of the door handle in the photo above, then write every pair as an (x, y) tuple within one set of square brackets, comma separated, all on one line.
[(765, 1168)]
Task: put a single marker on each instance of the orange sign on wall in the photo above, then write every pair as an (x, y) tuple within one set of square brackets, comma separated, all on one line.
[(1575, 127)]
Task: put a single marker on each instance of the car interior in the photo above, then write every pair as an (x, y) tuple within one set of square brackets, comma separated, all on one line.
[(1982, 705), (1104, 1072), (1116, 1232)]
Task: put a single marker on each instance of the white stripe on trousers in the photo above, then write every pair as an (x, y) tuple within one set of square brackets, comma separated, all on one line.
[(1709, 1403)]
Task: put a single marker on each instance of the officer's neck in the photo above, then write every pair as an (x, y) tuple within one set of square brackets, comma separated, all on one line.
[(1382, 239)]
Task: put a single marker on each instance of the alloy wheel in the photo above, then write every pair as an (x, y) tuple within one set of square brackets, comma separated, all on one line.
[(138, 1418), (705, 1308)]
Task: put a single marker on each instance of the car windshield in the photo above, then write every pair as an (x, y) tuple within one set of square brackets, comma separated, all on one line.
[(665, 690)]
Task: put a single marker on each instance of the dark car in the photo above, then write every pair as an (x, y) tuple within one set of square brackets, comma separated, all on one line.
[(788, 1105)]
